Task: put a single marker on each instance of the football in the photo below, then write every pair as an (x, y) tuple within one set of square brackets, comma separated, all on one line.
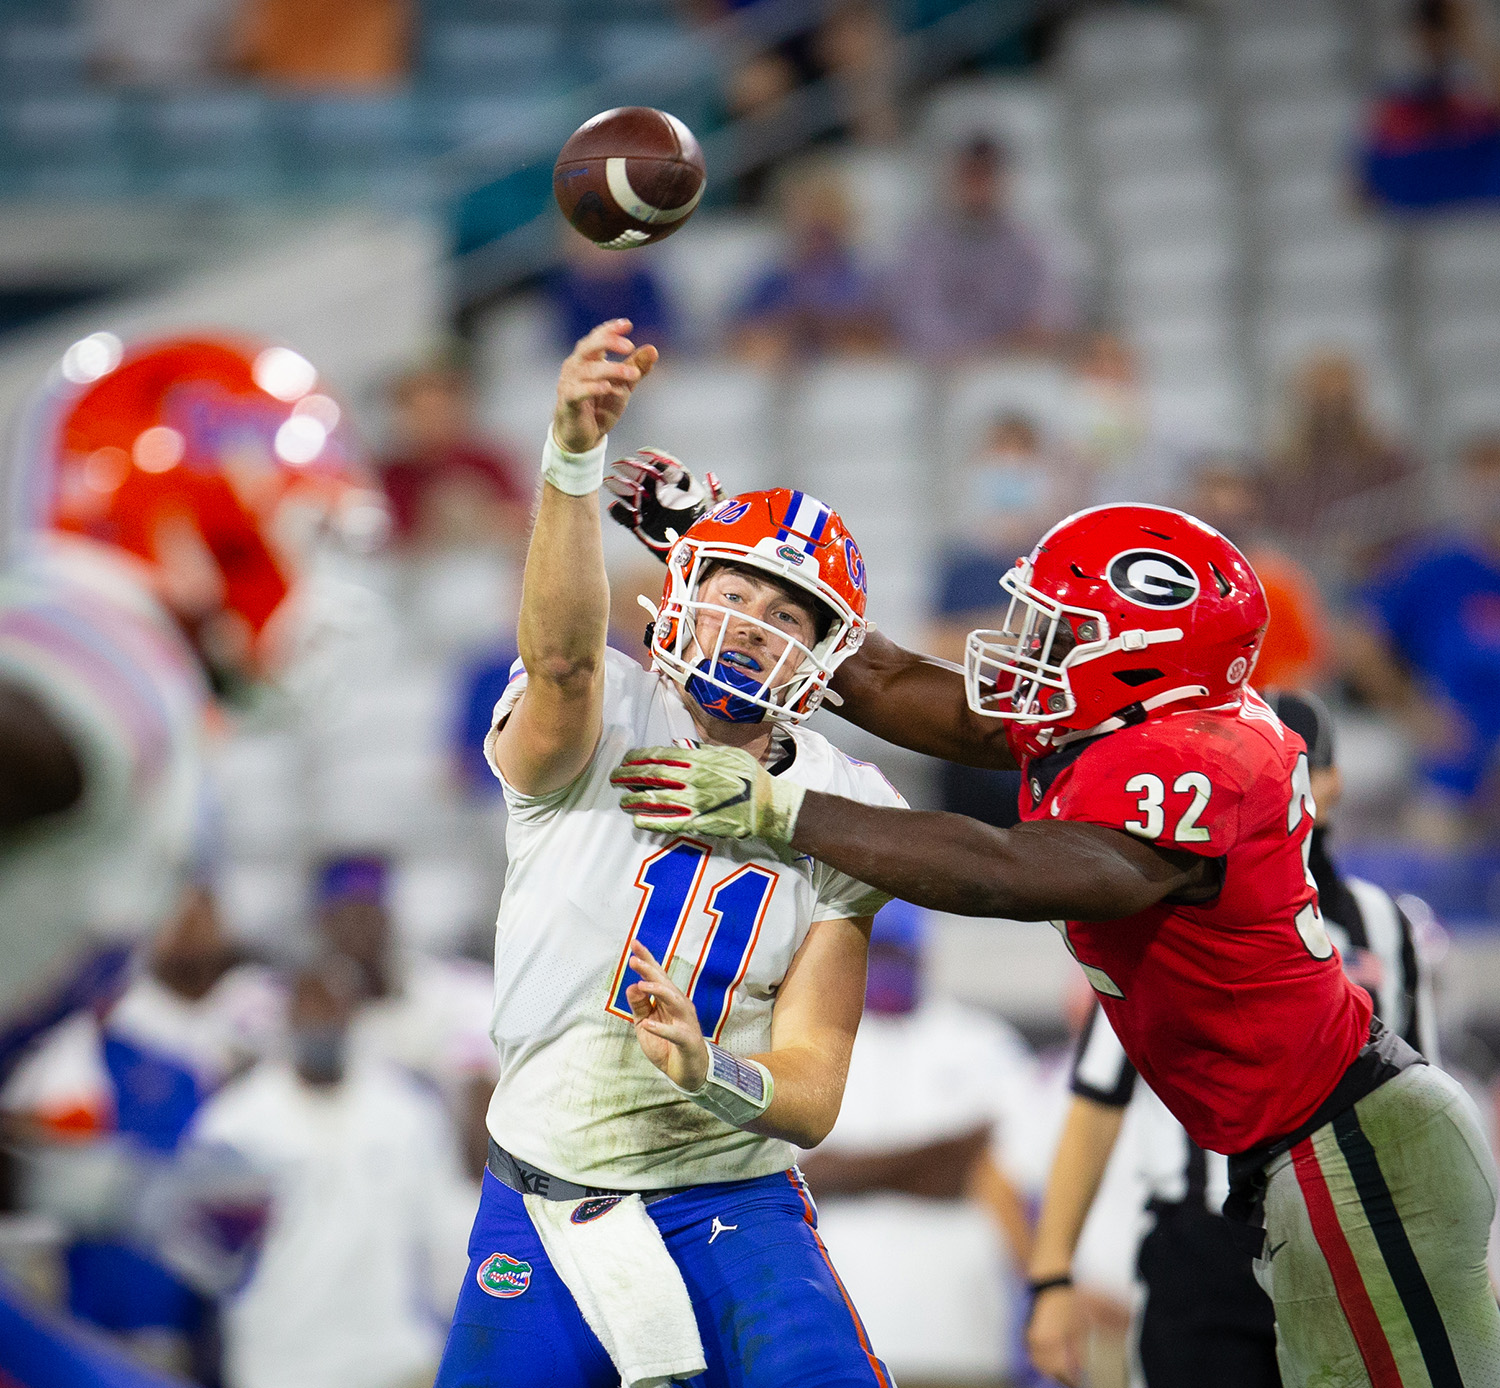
[(629, 177)]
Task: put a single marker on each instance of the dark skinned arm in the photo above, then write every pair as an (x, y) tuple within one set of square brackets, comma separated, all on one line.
[(1045, 870), (918, 702)]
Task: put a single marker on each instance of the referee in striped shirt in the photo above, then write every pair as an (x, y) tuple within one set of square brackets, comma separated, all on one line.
[(1205, 1320)]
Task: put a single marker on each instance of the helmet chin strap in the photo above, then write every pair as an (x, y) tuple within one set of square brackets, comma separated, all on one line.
[(1132, 713)]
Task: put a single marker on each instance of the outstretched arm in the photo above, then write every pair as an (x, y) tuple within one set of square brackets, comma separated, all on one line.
[(912, 700), (1051, 870), (551, 734), (917, 701), (1044, 870)]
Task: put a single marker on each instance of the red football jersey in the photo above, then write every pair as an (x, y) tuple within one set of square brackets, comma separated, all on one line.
[(1236, 1012)]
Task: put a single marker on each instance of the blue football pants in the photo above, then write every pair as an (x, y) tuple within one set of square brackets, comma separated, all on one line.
[(772, 1312)]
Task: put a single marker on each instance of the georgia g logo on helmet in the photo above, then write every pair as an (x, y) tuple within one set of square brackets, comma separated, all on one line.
[(1152, 578)]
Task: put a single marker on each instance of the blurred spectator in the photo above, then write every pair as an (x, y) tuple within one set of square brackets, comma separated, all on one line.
[(820, 300), (165, 43), (325, 43), (449, 487), (1338, 490), (972, 280), (939, 1099), (1434, 140), (366, 1241), (1012, 491), (852, 45), (192, 1017), (429, 1016), (1295, 652), (593, 285), (1428, 649)]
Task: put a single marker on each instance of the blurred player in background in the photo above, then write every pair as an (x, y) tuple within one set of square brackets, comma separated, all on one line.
[(673, 1019), (941, 1100), (358, 1259), (218, 461), (1204, 1319), (101, 713), (1168, 817)]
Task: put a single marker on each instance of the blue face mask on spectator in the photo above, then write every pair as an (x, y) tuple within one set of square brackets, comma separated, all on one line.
[(731, 669)]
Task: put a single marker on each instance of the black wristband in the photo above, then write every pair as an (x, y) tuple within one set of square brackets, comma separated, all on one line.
[(1046, 1284)]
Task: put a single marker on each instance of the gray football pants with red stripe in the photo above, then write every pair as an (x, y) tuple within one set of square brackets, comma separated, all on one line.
[(1377, 1228)]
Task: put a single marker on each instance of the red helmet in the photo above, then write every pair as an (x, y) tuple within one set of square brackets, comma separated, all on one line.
[(795, 539), (213, 458), (1118, 609)]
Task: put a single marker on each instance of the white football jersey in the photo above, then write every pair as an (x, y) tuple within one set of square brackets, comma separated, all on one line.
[(577, 1096)]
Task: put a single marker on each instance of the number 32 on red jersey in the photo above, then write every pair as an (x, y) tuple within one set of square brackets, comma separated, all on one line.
[(1192, 791)]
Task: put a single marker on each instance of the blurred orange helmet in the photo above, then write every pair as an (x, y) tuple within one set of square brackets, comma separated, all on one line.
[(216, 459)]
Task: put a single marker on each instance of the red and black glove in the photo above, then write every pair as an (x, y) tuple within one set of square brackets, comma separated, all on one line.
[(657, 498)]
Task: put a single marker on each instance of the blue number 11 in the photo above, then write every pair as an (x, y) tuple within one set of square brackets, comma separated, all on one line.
[(669, 881)]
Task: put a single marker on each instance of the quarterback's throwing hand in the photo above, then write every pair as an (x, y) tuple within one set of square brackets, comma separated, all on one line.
[(666, 1023), (720, 791)]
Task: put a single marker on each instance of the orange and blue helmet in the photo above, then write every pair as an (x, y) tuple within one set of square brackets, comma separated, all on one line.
[(794, 539)]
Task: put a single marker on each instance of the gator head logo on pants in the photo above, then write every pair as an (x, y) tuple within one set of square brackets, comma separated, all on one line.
[(503, 1276)]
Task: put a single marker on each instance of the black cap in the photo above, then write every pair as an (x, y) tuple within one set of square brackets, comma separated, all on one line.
[(1307, 716)]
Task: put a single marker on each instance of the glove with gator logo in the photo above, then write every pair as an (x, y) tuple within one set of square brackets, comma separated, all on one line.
[(719, 791)]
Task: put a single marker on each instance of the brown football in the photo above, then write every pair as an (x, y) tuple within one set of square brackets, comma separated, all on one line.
[(629, 177)]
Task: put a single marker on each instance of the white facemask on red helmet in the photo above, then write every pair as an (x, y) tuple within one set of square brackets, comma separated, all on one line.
[(794, 539), (1118, 611)]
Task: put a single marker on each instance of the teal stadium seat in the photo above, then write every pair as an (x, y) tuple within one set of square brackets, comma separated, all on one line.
[(366, 146), (41, 57), (468, 58), (212, 146), (70, 146)]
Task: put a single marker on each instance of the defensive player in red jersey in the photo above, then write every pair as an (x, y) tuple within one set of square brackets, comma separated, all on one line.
[(1166, 815)]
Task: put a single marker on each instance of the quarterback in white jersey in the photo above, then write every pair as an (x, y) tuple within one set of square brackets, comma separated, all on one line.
[(673, 1015)]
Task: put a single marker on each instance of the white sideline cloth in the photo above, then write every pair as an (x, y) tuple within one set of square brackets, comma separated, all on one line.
[(630, 1292)]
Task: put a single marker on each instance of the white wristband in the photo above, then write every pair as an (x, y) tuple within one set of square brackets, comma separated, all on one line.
[(737, 1089), (578, 474)]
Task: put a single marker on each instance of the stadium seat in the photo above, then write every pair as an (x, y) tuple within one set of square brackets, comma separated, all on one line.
[(1145, 138), (266, 903), (42, 57), (437, 902), (709, 273), (1288, 135), (1145, 49), (1173, 280), (1286, 54), (662, 49), (1170, 210), (859, 409), (1348, 269), (65, 146), (218, 144), (258, 784), (499, 58), (352, 145), (715, 414)]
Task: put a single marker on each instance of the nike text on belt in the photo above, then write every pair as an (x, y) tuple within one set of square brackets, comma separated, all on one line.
[(526, 1179)]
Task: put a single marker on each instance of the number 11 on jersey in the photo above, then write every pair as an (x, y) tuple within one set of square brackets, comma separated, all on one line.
[(669, 880)]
